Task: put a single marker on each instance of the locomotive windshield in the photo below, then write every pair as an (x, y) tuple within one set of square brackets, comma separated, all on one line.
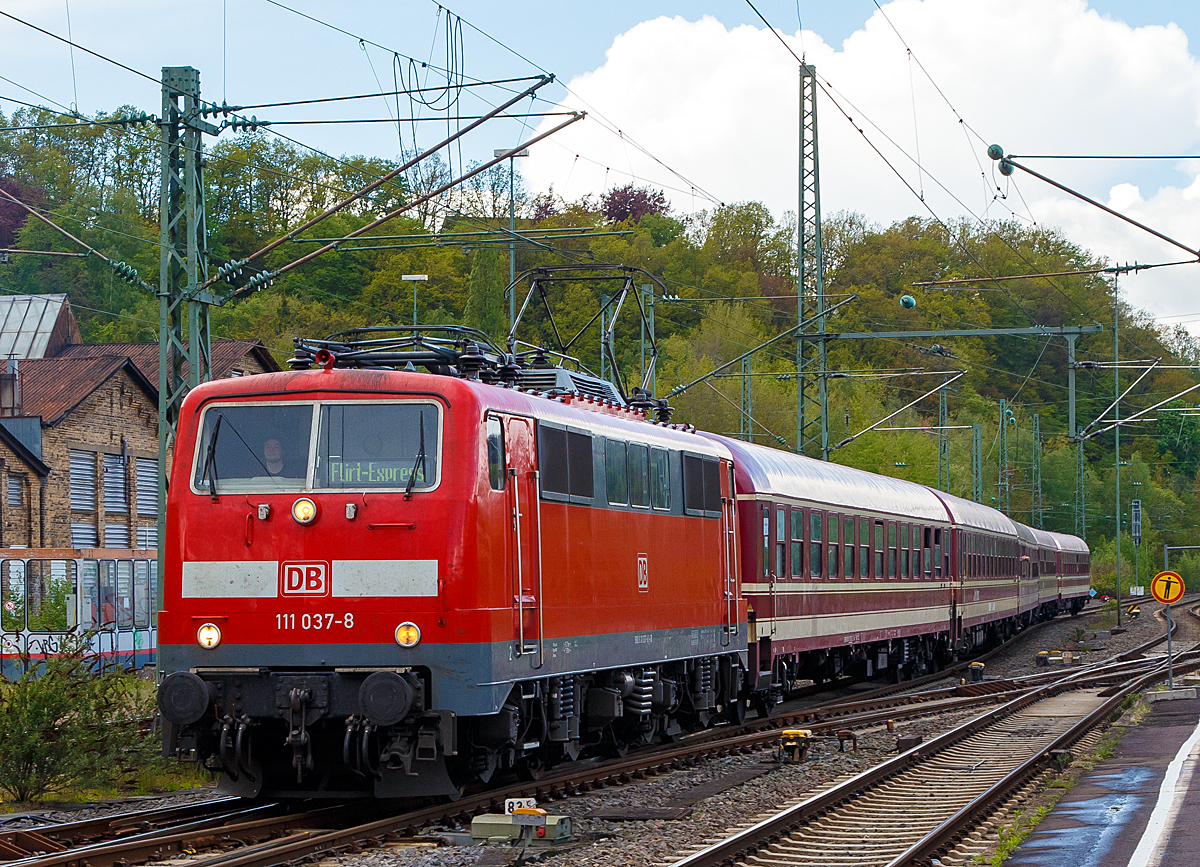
[(265, 448), (254, 448), (377, 445)]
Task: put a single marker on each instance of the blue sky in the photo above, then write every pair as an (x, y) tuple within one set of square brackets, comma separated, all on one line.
[(713, 101)]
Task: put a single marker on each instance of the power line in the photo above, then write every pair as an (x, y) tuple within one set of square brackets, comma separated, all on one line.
[(405, 92), (81, 48)]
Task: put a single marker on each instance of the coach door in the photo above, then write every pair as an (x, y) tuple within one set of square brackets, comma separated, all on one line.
[(525, 528)]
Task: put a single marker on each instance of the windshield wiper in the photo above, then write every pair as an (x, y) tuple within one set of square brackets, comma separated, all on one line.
[(419, 462), (210, 460)]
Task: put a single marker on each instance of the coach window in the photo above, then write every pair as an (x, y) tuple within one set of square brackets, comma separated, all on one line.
[(781, 528), (766, 545), (927, 551), (864, 548), (878, 549), (701, 486), (816, 522), (937, 552), (616, 473), (891, 556), (848, 547), (797, 542), (832, 570), (639, 475), (660, 479), (495, 453)]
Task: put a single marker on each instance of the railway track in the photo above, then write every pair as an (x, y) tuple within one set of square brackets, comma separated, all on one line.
[(919, 805), (236, 836)]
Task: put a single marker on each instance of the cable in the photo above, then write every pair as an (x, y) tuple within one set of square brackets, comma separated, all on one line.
[(81, 48), (399, 92)]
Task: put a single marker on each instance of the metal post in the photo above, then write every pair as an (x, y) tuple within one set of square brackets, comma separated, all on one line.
[(1002, 461), (745, 425), (183, 331), (943, 442), (512, 244), (603, 331), (1117, 435), (650, 317), (977, 463), (1170, 666), (811, 349), (1036, 506)]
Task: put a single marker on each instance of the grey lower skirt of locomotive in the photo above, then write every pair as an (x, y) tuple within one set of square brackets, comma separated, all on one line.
[(359, 733)]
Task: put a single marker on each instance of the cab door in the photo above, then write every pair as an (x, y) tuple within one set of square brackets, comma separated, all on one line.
[(525, 536)]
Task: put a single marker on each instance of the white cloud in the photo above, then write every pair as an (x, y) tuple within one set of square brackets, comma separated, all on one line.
[(1037, 76)]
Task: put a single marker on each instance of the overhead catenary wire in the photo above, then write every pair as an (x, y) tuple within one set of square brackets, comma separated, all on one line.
[(73, 44)]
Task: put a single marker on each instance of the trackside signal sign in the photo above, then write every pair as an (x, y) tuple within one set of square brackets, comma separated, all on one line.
[(1167, 587)]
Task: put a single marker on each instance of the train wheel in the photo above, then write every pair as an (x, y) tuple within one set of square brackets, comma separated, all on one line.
[(533, 769)]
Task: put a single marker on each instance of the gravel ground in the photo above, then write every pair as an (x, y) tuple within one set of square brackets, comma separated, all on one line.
[(644, 843)]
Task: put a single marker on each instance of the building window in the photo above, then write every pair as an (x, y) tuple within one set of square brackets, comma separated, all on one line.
[(116, 492), (14, 491), (83, 481)]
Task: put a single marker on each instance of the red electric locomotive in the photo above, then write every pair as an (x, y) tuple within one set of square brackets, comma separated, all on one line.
[(393, 583), (389, 582)]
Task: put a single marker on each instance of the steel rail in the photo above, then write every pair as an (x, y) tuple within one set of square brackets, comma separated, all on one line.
[(772, 829), (952, 829)]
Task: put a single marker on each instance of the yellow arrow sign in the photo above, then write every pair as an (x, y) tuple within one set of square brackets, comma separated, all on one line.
[(1167, 587)]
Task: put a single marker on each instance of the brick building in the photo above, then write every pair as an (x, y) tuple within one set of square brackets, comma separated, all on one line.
[(79, 429)]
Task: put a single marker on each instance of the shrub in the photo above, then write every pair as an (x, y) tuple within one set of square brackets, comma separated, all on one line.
[(65, 723)]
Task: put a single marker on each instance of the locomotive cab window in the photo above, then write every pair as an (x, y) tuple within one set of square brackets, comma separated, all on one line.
[(247, 448), (377, 445)]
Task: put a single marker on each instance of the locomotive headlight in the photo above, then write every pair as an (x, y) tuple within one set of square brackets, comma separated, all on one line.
[(304, 511), (408, 634), (208, 636)]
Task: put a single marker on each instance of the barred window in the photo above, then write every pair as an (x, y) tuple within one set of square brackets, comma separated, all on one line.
[(14, 490), (146, 470), (116, 490), (83, 481)]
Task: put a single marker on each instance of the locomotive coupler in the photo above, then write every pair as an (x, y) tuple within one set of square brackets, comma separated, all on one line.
[(298, 739)]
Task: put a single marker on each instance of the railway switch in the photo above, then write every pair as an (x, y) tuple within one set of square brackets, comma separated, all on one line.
[(1043, 658), (976, 672)]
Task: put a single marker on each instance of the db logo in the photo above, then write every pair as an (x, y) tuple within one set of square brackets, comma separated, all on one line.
[(304, 579)]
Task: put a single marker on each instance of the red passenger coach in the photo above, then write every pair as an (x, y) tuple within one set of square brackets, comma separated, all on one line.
[(841, 567), (393, 582)]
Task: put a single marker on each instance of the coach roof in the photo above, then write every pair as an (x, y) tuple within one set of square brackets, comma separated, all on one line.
[(783, 474)]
